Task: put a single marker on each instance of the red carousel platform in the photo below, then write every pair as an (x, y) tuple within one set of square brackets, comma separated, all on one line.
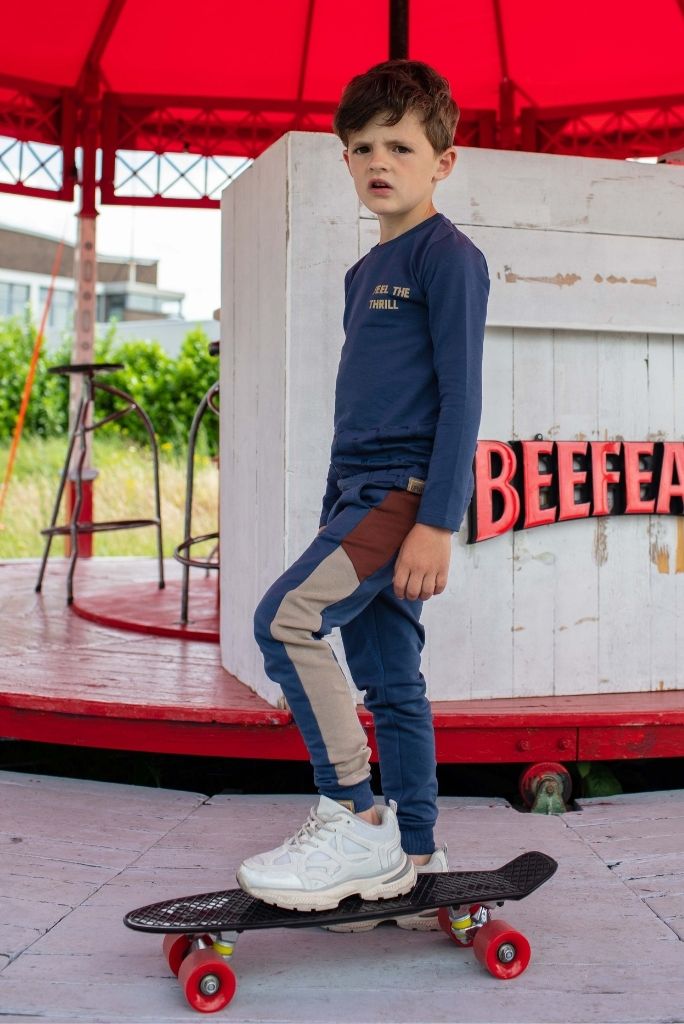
[(73, 676)]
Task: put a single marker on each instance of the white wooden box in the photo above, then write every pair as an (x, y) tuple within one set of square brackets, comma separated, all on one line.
[(586, 259)]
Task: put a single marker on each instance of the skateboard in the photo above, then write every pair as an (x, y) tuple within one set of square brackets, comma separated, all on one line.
[(200, 932)]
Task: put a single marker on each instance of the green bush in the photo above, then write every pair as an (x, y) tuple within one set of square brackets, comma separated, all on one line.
[(47, 410), (169, 390)]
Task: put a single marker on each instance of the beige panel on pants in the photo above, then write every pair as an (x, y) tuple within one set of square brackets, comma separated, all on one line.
[(299, 615)]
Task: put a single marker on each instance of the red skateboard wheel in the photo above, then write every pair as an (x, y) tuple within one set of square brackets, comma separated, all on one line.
[(208, 982), (503, 951), (175, 948)]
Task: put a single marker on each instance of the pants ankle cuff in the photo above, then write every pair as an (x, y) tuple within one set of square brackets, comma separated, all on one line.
[(418, 840), (361, 794)]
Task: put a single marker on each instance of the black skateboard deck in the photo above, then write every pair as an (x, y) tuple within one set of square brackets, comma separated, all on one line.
[(201, 930), (235, 910)]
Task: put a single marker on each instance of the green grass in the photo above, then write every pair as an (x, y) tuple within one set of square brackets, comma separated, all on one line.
[(124, 489)]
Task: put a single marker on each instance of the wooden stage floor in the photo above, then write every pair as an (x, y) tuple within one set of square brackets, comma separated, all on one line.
[(64, 679)]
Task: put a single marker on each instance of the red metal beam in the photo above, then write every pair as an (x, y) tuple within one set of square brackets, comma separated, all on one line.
[(292, 106), (91, 64), (304, 61), (571, 110)]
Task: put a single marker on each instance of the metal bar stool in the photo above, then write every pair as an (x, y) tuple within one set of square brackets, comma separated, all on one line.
[(79, 430), (182, 552)]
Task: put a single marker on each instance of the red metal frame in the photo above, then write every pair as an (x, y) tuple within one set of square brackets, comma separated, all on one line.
[(638, 127), (212, 128), (30, 114)]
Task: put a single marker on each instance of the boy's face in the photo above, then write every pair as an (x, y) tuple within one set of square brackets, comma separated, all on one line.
[(402, 156)]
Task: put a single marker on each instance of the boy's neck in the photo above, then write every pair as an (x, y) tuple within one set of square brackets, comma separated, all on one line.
[(391, 227)]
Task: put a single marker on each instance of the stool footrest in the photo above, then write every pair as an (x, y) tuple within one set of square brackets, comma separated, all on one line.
[(118, 524), (198, 563)]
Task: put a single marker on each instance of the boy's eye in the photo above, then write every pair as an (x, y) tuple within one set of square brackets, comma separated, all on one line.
[(365, 148)]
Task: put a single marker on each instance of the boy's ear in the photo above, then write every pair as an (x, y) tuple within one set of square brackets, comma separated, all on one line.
[(345, 154), (446, 163)]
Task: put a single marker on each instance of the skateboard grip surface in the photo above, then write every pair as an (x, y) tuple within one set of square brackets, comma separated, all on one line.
[(236, 910)]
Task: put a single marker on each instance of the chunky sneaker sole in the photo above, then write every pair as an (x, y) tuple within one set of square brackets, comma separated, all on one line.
[(335, 854), (426, 921), (394, 883)]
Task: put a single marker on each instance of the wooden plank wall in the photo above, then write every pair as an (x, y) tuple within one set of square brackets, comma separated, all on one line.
[(586, 260), (253, 411)]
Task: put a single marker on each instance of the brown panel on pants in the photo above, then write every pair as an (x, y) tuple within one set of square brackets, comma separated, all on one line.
[(381, 533)]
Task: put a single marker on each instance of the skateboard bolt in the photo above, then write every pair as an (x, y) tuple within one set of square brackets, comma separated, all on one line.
[(209, 985), (506, 952)]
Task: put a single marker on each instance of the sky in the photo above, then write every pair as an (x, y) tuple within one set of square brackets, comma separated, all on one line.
[(187, 243)]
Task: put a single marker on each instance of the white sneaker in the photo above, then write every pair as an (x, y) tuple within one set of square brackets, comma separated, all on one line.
[(426, 921), (333, 855)]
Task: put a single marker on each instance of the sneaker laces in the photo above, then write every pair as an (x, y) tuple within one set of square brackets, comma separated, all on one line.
[(308, 831)]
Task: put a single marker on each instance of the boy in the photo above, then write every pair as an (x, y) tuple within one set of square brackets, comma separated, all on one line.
[(407, 412)]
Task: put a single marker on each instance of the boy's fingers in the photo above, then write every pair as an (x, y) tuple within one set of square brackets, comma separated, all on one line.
[(401, 578), (412, 587), (440, 583), (424, 585)]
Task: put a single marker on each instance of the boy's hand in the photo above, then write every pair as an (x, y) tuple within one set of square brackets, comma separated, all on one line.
[(422, 565)]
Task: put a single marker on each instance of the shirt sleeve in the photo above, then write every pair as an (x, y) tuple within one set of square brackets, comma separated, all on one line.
[(457, 291)]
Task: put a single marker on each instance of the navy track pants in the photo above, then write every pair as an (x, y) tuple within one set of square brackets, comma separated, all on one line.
[(344, 579)]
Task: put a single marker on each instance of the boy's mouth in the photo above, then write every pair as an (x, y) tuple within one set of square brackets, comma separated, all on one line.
[(379, 185)]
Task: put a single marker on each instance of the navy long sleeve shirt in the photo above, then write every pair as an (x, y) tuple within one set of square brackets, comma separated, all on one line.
[(409, 382)]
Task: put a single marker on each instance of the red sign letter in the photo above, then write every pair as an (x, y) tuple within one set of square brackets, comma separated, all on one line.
[(634, 477), (569, 478), (535, 515), (673, 457), (487, 487), (600, 476)]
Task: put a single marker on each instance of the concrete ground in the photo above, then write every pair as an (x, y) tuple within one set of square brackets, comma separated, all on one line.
[(606, 931)]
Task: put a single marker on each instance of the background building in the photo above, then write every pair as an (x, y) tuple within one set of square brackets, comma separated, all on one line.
[(126, 289)]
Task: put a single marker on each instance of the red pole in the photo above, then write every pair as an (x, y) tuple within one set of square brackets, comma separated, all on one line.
[(85, 272)]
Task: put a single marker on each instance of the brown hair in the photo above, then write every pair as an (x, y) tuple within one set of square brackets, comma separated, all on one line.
[(398, 86)]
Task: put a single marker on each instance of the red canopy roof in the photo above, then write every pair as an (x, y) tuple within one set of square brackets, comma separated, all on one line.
[(229, 78), (586, 52)]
